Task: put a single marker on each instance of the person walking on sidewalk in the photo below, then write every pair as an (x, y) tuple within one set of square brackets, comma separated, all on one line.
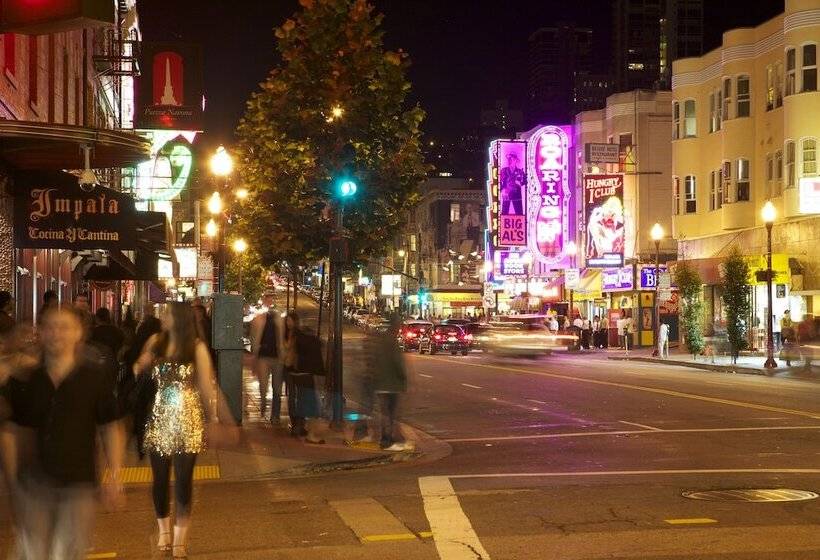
[(389, 383), (603, 326), (302, 361), (181, 368), (59, 408), (266, 348), (663, 341)]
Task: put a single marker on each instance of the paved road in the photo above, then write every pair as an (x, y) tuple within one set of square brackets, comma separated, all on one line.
[(568, 457)]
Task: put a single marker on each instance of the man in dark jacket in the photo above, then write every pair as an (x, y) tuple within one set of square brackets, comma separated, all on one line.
[(389, 382)]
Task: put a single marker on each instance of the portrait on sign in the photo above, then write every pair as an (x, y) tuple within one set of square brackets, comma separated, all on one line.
[(512, 182)]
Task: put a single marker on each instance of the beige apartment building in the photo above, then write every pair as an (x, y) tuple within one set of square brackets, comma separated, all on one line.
[(745, 127)]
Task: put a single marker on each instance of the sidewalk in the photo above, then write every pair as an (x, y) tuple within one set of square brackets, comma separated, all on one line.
[(752, 365)]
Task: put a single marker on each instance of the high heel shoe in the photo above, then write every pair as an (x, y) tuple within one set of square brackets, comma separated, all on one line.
[(164, 540), (179, 551)]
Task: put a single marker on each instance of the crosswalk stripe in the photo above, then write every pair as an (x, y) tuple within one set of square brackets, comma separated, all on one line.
[(691, 521), (384, 538)]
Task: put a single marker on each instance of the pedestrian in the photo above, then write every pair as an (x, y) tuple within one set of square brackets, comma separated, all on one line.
[(604, 326), (596, 332), (553, 324), (180, 365), (629, 332), (82, 306), (302, 361), (389, 383), (148, 326), (586, 332), (663, 340), (776, 333), (59, 409), (7, 322), (50, 301), (266, 349), (129, 327), (107, 336), (203, 323)]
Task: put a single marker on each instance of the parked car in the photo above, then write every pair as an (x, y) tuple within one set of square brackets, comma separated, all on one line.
[(445, 338), (411, 332), (478, 332), (360, 316)]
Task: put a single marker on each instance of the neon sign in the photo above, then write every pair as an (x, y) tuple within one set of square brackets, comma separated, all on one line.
[(168, 172), (549, 194)]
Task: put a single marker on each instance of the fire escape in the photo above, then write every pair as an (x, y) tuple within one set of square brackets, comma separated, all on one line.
[(116, 62)]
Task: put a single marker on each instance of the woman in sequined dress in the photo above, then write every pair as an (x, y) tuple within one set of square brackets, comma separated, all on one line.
[(181, 368)]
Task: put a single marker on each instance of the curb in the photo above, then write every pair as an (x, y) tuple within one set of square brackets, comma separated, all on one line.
[(428, 449), (701, 366)]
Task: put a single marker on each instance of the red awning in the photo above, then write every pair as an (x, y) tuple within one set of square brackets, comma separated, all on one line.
[(47, 146)]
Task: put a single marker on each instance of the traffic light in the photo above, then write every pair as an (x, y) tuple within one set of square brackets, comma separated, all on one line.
[(347, 187)]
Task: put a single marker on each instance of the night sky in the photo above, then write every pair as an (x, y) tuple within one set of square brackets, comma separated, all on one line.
[(465, 53)]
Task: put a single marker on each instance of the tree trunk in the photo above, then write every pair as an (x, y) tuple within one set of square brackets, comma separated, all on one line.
[(295, 291)]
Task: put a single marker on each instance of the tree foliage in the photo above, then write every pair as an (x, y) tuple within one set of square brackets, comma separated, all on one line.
[(736, 303), (336, 87), (689, 287), (253, 275)]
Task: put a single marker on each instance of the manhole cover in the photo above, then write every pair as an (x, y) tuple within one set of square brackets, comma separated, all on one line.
[(752, 495)]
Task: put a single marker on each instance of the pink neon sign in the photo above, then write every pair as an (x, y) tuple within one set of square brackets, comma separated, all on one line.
[(548, 216)]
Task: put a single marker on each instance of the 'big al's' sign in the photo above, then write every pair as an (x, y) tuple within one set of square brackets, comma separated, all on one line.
[(548, 212)]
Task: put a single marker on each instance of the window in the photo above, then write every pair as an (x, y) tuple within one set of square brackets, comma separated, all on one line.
[(743, 184), (413, 242), (743, 96), (690, 195), (185, 232), (676, 194), (791, 71), (727, 97), (33, 54), (721, 192), (809, 78), (690, 128), (625, 140), (10, 53), (455, 212), (809, 156), (778, 173), (713, 126), (726, 180), (675, 121), (413, 269), (789, 164), (778, 85), (769, 87), (713, 190), (769, 167)]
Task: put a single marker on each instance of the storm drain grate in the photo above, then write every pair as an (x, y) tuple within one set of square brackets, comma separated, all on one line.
[(752, 495)]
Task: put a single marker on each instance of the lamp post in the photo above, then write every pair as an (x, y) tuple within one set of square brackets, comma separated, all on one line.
[(769, 213), (239, 247), (401, 254), (221, 164), (657, 234)]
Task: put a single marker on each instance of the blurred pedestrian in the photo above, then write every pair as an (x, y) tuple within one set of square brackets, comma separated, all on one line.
[(180, 365), (301, 362), (128, 327), (203, 323), (586, 332), (389, 383), (106, 335), (604, 330), (553, 324), (50, 301), (83, 307), (58, 410), (596, 332), (663, 340), (7, 321), (148, 327), (266, 348)]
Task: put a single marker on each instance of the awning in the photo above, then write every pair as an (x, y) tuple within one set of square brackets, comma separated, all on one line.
[(589, 287), (47, 146)]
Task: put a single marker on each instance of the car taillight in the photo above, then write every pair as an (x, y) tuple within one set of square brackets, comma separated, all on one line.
[(468, 337), (410, 334), (437, 337)]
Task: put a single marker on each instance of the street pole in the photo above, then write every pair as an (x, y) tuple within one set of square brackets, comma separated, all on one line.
[(770, 362), (240, 275), (338, 382), (657, 293), (321, 300)]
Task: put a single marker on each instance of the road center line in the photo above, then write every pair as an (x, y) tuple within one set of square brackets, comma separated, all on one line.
[(644, 426), (472, 386), (453, 534), (425, 375), (655, 390), (536, 401), (654, 431)]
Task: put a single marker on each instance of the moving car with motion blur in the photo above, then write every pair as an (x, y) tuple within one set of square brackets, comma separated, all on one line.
[(446, 338), (526, 337), (411, 332)]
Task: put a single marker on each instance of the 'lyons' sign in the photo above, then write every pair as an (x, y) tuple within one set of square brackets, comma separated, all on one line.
[(66, 217)]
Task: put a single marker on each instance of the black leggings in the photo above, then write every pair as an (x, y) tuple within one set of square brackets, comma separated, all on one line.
[(183, 485)]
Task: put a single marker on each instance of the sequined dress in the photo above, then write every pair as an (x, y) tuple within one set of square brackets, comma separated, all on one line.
[(176, 423)]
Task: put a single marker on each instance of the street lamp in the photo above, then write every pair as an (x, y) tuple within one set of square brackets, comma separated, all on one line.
[(571, 250), (769, 213), (221, 162), (241, 194), (215, 204), (657, 234), (211, 228), (239, 247)]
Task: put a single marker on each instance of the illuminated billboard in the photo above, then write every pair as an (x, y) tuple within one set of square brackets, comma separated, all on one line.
[(169, 87), (548, 214), (512, 199), (604, 220), (168, 172)]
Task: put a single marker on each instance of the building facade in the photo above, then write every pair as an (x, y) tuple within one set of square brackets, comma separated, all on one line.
[(745, 131), (637, 122)]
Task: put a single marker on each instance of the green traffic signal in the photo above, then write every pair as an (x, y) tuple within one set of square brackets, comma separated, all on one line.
[(347, 187)]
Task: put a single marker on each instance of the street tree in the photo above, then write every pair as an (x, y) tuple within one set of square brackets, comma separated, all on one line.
[(689, 288), (334, 107), (736, 303), (254, 274)]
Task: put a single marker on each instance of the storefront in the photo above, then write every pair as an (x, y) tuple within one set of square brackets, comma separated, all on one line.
[(444, 304)]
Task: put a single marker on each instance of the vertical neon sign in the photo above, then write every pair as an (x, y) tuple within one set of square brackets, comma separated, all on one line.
[(493, 194), (548, 193)]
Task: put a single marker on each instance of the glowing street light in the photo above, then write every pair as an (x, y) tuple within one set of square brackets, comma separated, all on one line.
[(240, 245), (241, 194), (221, 162), (401, 253), (211, 228), (657, 234), (215, 204)]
